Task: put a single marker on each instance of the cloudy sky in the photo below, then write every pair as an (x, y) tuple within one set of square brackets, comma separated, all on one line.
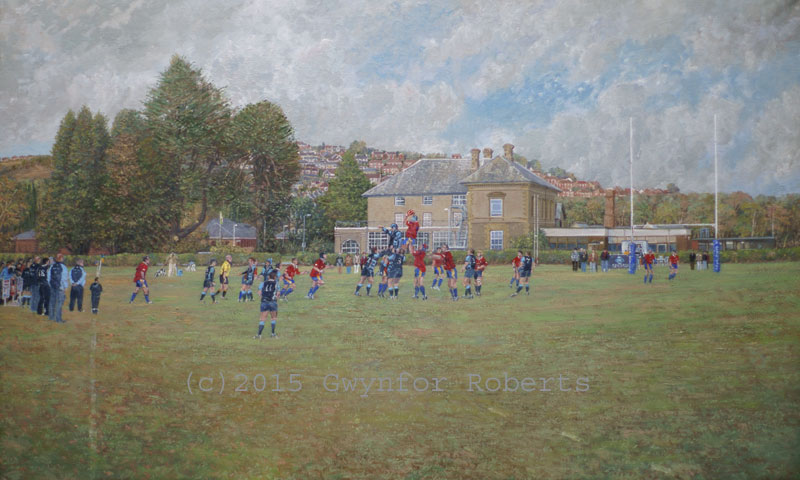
[(558, 79)]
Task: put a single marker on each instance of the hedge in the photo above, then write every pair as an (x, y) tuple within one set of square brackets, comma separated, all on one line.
[(494, 257)]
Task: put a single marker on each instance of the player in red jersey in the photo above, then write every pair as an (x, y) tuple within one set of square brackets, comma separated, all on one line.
[(515, 263), (480, 266), (450, 269), (438, 269), (647, 261), (140, 280), (316, 275), (288, 279), (673, 265), (411, 232), (419, 271)]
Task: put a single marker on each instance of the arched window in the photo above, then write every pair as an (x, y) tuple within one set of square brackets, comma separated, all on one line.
[(350, 246)]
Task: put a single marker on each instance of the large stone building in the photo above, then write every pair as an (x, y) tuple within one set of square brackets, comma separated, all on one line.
[(465, 203)]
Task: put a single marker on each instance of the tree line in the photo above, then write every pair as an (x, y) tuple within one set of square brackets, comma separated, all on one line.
[(740, 214)]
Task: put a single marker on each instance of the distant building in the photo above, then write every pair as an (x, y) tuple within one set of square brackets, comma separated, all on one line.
[(231, 233), (464, 203)]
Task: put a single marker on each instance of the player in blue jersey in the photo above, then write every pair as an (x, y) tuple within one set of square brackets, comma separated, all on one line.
[(248, 277), (394, 235), (395, 271), (368, 271), (469, 273), (525, 270), (208, 282), (269, 303)]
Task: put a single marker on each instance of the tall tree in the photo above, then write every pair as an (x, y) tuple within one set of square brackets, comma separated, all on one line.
[(265, 152), (188, 118), (12, 207), (73, 211), (343, 200)]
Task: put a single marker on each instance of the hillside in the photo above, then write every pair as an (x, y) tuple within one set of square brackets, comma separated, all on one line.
[(33, 167)]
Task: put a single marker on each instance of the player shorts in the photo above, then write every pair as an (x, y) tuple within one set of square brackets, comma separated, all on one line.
[(469, 273), (438, 270), (367, 272), (288, 282), (223, 280), (525, 273), (675, 266), (648, 266), (141, 283), (247, 281), (208, 283), (269, 306), (478, 273), (452, 273), (419, 273), (395, 273), (412, 241), (316, 279)]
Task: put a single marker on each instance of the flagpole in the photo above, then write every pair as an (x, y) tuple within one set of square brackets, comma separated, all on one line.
[(630, 119), (716, 184)]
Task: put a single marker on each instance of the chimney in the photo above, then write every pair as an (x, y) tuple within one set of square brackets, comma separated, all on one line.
[(487, 154), (509, 152), (476, 161), (608, 217)]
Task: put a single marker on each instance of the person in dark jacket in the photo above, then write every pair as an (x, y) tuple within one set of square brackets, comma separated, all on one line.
[(58, 278), (96, 290), (604, 257), (583, 259), (34, 275), (77, 277), (692, 259), (43, 306)]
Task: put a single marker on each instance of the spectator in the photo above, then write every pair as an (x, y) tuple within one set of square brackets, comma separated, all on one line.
[(604, 256), (705, 260), (28, 280), (96, 290), (592, 261), (339, 263), (77, 277), (348, 263), (43, 305), (574, 256), (692, 259), (583, 258), (58, 279)]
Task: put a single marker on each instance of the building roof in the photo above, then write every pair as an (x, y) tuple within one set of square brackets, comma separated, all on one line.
[(428, 176), (29, 235), (243, 230), (501, 170)]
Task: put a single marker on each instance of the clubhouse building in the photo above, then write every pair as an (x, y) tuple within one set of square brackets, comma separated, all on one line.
[(480, 203)]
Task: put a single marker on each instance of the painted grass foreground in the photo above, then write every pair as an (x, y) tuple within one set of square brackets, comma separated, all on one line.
[(697, 379)]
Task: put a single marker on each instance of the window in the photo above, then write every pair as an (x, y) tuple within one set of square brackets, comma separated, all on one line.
[(350, 246), (457, 217), (398, 218), (427, 200), (496, 207), (459, 200), (423, 237), (378, 239), (496, 239), (440, 238), (399, 201), (427, 219)]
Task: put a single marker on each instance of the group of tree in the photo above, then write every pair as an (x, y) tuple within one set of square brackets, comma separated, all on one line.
[(152, 180), (740, 215)]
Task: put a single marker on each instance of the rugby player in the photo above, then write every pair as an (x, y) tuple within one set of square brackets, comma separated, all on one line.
[(140, 280), (412, 222), (269, 303), (480, 266), (515, 266), (419, 271), (288, 279), (368, 271), (248, 276), (450, 270), (469, 273), (438, 271), (395, 271), (316, 275), (673, 265), (208, 282), (224, 272), (648, 260), (525, 269)]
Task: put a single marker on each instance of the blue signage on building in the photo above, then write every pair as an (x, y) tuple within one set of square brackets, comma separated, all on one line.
[(717, 259)]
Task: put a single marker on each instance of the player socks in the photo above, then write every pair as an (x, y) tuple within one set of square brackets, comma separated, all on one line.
[(223, 293), (467, 291), (358, 287), (416, 290), (396, 291), (527, 288), (133, 296), (369, 287), (260, 327), (202, 296), (645, 278), (147, 298), (478, 289), (241, 293), (272, 326), (651, 278), (519, 288)]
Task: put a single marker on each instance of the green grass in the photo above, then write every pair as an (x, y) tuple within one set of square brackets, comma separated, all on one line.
[(697, 378)]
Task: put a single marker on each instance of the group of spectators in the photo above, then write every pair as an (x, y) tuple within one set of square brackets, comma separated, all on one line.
[(42, 285), (583, 260)]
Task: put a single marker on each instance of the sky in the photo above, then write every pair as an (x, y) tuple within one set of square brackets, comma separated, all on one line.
[(561, 80)]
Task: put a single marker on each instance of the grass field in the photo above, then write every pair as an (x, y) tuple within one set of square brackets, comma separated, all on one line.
[(697, 378)]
